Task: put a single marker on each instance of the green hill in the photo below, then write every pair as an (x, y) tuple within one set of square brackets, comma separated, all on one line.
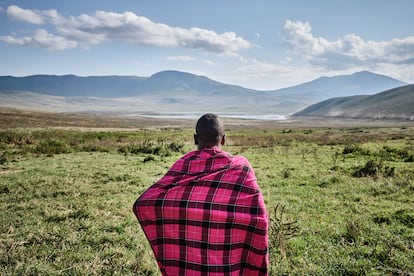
[(397, 103)]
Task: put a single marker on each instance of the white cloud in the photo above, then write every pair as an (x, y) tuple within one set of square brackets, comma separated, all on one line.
[(29, 16), (181, 58), (190, 59), (42, 39), (255, 69), (403, 73), (129, 27), (209, 62), (348, 51)]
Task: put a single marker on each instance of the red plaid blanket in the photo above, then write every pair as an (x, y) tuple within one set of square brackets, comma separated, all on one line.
[(206, 216)]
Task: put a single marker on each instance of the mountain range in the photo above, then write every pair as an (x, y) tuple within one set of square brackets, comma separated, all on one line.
[(390, 104), (173, 91)]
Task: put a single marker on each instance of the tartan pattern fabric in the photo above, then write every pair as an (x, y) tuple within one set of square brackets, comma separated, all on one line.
[(206, 216)]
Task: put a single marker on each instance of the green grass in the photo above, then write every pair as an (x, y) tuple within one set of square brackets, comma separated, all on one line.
[(66, 198)]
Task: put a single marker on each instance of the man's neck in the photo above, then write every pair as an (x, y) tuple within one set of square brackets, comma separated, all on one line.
[(200, 147)]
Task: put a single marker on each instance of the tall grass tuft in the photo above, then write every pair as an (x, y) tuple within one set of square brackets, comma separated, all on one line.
[(280, 231)]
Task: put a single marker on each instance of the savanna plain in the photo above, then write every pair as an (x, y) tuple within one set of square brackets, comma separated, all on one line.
[(340, 194)]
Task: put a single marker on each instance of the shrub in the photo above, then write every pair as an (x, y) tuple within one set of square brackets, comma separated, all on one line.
[(4, 190), (94, 148), (371, 168), (17, 138), (149, 147), (51, 147), (175, 147), (149, 158), (405, 217), (382, 219), (286, 173), (355, 149), (329, 181), (393, 154), (3, 159)]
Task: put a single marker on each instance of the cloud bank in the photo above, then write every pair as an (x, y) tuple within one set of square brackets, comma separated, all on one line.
[(89, 29), (348, 51), (33, 17)]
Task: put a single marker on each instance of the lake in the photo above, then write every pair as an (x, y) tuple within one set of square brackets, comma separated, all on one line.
[(195, 115)]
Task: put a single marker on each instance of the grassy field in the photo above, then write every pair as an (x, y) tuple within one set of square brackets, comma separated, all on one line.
[(341, 199)]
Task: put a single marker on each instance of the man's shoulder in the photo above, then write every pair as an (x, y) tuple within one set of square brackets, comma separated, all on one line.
[(241, 160)]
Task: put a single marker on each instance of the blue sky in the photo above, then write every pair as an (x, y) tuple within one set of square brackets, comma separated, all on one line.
[(265, 44)]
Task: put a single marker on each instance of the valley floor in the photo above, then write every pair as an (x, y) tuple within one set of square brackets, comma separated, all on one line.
[(18, 118)]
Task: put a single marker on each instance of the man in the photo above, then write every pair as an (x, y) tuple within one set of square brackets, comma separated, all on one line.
[(206, 216)]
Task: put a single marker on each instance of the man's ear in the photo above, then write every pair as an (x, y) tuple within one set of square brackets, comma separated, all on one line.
[(223, 140), (195, 139)]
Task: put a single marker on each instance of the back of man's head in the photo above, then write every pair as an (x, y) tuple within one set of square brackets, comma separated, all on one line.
[(209, 130)]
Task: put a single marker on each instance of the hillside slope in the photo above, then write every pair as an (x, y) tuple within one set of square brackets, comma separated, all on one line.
[(394, 103)]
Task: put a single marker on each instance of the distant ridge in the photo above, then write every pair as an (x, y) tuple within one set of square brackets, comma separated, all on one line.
[(360, 83), (71, 85), (397, 103), (163, 82), (178, 91)]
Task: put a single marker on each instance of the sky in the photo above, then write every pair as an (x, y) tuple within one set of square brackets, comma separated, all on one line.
[(262, 44)]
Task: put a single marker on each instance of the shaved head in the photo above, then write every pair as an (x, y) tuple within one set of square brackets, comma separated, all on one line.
[(209, 131)]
